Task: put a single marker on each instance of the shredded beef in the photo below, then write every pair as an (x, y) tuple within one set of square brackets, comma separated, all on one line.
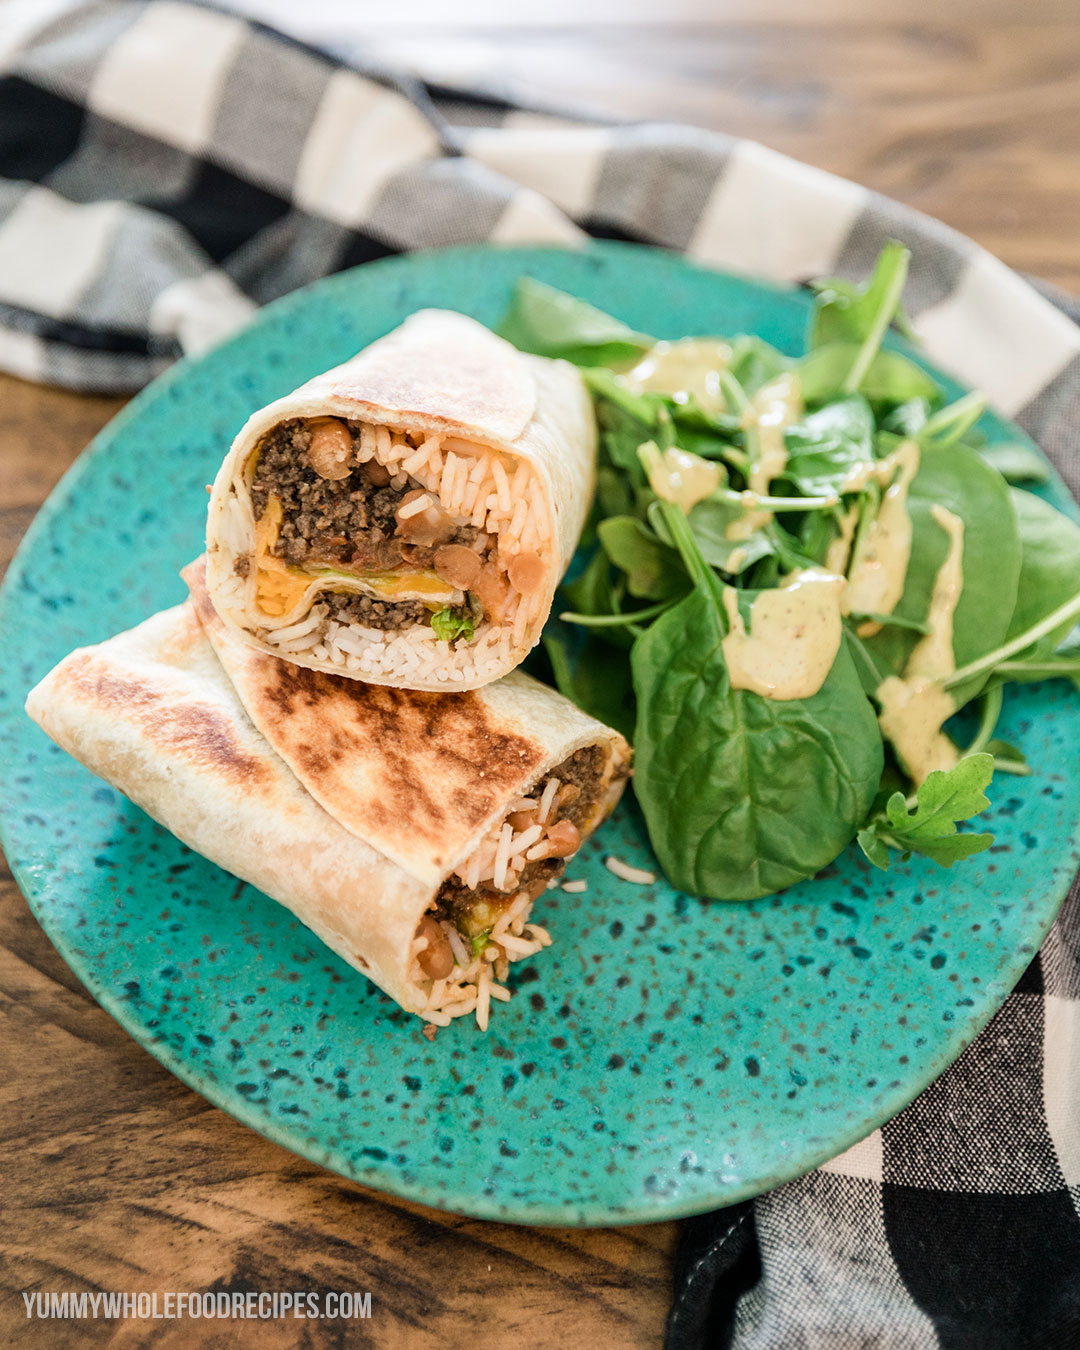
[(350, 522), (351, 608)]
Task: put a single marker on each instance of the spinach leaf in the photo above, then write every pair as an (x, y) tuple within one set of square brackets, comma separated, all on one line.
[(959, 480), (653, 570), (754, 362), (906, 419), (1049, 565), (548, 322), (592, 591), (788, 780), (929, 827), (709, 521), (828, 444), (846, 312), (592, 675), (890, 378), (1017, 463)]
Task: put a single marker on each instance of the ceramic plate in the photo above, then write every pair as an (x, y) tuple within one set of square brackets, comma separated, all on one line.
[(666, 1055)]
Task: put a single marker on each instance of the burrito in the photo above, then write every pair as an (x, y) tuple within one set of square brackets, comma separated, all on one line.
[(405, 518), (411, 832)]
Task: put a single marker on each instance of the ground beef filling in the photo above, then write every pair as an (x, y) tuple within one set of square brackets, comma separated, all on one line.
[(346, 522), (471, 909)]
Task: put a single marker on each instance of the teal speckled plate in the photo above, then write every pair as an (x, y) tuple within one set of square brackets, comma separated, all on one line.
[(666, 1055)]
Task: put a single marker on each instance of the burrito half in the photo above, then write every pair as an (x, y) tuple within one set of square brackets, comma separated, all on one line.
[(411, 833), (405, 518)]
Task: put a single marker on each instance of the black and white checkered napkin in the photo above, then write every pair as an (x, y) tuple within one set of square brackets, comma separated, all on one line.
[(167, 168)]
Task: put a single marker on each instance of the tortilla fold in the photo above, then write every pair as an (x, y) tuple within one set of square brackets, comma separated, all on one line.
[(412, 782)]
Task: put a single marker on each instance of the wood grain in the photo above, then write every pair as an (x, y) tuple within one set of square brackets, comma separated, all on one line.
[(118, 1177)]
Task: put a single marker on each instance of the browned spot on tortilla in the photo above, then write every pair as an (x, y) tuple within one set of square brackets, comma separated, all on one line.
[(406, 771), (199, 731), (439, 763)]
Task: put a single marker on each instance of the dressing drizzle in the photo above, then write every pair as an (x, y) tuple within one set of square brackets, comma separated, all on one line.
[(879, 567), (795, 633), (689, 368), (916, 706)]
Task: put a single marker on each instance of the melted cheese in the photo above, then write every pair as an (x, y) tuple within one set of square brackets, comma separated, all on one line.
[(277, 589)]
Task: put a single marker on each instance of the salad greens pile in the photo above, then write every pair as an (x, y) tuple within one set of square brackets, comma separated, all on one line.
[(735, 485)]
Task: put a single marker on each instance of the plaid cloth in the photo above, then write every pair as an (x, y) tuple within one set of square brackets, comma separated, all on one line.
[(167, 168)]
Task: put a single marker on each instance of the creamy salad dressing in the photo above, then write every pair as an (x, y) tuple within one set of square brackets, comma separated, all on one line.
[(915, 707), (689, 368), (684, 478), (776, 406), (879, 568), (795, 633)]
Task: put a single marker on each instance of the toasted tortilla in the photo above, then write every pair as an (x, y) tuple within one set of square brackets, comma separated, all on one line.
[(411, 784), (441, 374)]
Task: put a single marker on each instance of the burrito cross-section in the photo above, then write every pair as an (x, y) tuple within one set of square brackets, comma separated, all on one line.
[(411, 832), (405, 518)]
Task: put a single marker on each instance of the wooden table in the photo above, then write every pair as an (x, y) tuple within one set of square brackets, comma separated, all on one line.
[(118, 1177)]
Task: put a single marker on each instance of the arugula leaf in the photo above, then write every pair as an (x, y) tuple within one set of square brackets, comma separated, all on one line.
[(1016, 462), (828, 444), (548, 322), (929, 827), (845, 311), (890, 378), (449, 624)]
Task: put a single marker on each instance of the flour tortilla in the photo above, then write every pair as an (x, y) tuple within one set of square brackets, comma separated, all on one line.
[(153, 712), (441, 374)]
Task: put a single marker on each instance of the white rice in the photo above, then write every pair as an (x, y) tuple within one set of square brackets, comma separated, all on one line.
[(471, 985), (575, 887), (637, 875), (414, 507), (551, 787)]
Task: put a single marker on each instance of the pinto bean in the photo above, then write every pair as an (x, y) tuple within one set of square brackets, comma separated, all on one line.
[(457, 565), (563, 839), (437, 958), (430, 526), (492, 589), (378, 475), (526, 573), (331, 448), (521, 820)]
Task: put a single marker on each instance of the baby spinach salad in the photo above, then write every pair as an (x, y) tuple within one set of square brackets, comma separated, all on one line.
[(798, 571)]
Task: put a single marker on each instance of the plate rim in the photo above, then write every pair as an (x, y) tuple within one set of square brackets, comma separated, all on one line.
[(529, 1213)]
